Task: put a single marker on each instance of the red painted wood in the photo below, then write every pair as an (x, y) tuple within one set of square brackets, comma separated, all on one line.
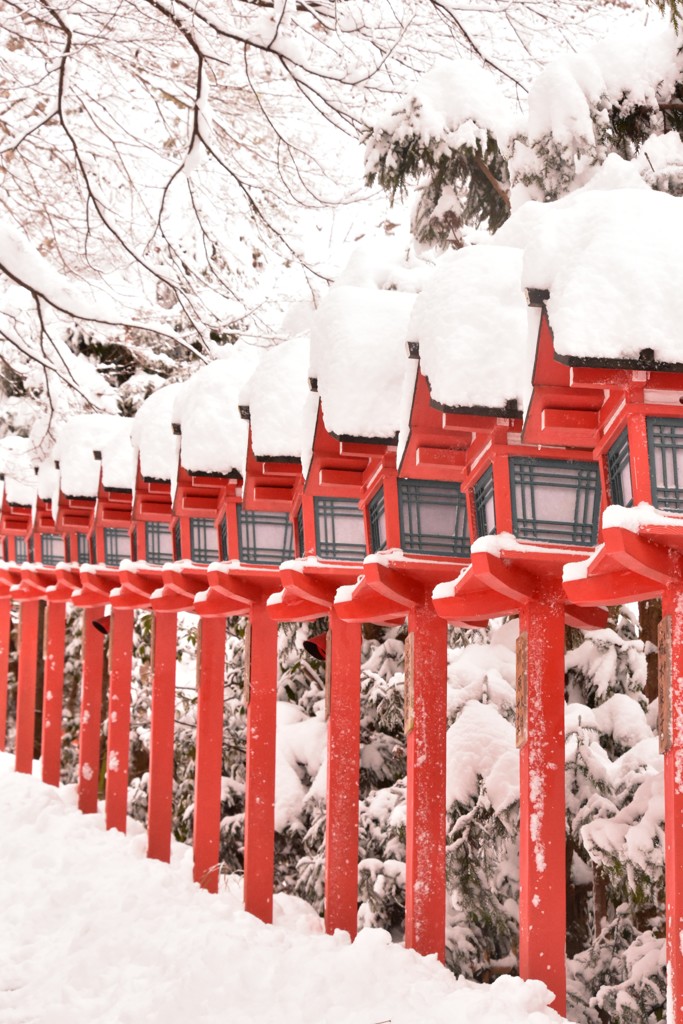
[(426, 798), (118, 725), (160, 799), (5, 628), (259, 831), (542, 900), (343, 764), (207, 782), (672, 604), (26, 685), (53, 691), (639, 459), (91, 711)]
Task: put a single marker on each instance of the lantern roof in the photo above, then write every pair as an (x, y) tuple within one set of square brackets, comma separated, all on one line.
[(17, 477), (152, 434), (358, 360), (275, 395), (609, 260), (213, 435), (77, 441), (470, 323)]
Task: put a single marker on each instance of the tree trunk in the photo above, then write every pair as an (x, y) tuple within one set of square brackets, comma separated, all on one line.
[(650, 613)]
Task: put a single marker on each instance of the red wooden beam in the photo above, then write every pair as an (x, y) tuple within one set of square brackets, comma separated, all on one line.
[(53, 691), (29, 615), (91, 711), (118, 726), (5, 630), (542, 850), (259, 827), (343, 765), (209, 757), (162, 732)]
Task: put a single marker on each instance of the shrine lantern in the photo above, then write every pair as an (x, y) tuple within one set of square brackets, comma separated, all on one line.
[(613, 325), (212, 440), (94, 457), (17, 497), (350, 420), (256, 533)]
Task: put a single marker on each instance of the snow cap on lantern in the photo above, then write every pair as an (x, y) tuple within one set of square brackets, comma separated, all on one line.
[(17, 477), (77, 440), (213, 436), (610, 257), (152, 434), (275, 394)]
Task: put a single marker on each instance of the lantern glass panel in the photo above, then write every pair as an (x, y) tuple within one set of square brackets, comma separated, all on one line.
[(665, 441), (433, 518), (555, 502), (83, 548), (266, 538), (339, 529), (158, 543), (116, 545), (484, 505), (619, 472), (52, 548), (378, 521), (20, 549), (203, 541)]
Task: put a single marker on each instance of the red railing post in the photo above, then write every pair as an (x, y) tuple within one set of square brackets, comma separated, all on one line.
[(671, 721), (259, 825), (542, 847), (426, 798), (162, 735), (53, 691), (209, 758), (5, 630), (118, 724), (91, 711), (29, 617), (343, 765)]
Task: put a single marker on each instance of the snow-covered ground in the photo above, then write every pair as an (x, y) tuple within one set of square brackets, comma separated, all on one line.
[(93, 933)]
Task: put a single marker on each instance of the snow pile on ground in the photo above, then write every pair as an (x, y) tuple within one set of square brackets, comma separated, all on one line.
[(93, 932)]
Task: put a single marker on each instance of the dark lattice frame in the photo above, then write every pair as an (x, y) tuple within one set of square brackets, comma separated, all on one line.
[(203, 541), (52, 548), (177, 544), (300, 532), (116, 545), (618, 459), (223, 538), (665, 437), (20, 549), (583, 478), (155, 532), (327, 512), (252, 549), (414, 498), (378, 542), (483, 493)]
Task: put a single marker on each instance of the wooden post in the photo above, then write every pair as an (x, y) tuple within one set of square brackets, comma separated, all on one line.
[(162, 736), (671, 743), (5, 631), (91, 711), (261, 672), (542, 911), (209, 758), (426, 798), (29, 614), (118, 724), (53, 691), (343, 764)]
